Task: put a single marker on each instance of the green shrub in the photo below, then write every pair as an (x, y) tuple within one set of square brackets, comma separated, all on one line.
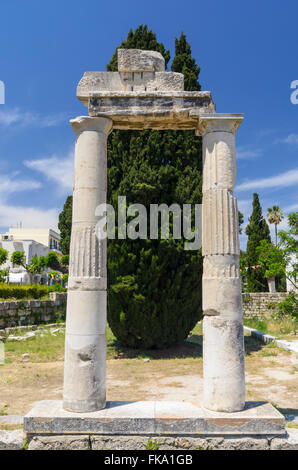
[(35, 291), (288, 306), (56, 288)]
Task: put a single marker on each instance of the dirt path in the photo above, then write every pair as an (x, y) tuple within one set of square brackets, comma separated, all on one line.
[(271, 375)]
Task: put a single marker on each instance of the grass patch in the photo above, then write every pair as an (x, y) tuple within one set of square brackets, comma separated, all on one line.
[(4, 410), (11, 427), (292, 425), (46, 348), (286, 327)]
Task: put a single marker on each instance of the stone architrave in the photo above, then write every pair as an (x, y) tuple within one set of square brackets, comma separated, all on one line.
[(85, 343), (223, 342)]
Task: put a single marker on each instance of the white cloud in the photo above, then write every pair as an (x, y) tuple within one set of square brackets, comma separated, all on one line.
[(55, 168), (29, 216), (17, 117), (289, 178), (244, 153), (10, 184), (290, 139)]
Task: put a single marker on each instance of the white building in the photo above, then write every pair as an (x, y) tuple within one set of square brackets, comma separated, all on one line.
[(33, 242), (18, 274), (45, 236)]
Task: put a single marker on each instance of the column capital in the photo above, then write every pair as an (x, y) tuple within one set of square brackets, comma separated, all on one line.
[(88, 123), (218, 123)]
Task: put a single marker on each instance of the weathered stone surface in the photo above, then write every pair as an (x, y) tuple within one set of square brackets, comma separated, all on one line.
[(154, 418), (85, 339), (135, 442), (141, 95), (137, 60), (93, 82), (177, 443), (223, 342), (15, 440), (11, 440), (261, 304), (119, 442), (59, 443), (36, 311), (220, 230), (11, 419), (290, 442), (151, 109)]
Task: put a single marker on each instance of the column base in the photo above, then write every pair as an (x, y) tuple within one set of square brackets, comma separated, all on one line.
[(80, 406), (154, 418)]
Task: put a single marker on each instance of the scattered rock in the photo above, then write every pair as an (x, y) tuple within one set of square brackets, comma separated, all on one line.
[(11, 440), (16, 338), (31, 334), (56, 330)]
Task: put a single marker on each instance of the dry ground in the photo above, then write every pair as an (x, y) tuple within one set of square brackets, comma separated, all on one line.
[(175, 374)]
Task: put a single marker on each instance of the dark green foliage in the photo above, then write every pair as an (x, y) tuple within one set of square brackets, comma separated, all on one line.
[(257, 230), (241, 220), (3, 256), (64, 225), (184, 63), (52, 261), (141, 38), (154, 293), (65, 260)]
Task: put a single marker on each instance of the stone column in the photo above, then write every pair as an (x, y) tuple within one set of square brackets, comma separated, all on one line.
[(85, 342), (223, 342)]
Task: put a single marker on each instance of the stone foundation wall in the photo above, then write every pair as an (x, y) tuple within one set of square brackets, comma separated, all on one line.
[(32, 312), (261, 304), (173, 443)]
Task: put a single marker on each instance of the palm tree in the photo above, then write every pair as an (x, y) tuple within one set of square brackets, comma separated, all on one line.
[(275, 216)]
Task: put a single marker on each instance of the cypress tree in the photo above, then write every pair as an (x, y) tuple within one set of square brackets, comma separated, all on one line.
[(64, 225), (154, 286), (184, 63), (257, 230)]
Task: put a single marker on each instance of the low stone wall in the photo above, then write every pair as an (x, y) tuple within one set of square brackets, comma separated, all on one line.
[(32, 312), (260, 304)]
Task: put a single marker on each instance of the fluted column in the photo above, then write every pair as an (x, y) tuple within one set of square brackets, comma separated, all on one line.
[(223, 342), (85, 342)]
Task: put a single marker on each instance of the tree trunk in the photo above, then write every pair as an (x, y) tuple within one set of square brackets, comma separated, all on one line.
[(271, 284), (275, 234)]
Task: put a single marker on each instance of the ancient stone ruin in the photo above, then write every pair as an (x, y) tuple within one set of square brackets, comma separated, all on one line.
[(141, 95)]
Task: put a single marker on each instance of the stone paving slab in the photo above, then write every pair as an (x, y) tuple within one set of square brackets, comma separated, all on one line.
[(11, 419), (155, 418)]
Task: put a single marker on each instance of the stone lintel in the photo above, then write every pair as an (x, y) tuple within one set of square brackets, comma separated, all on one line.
[(155, 418), (151, 110)]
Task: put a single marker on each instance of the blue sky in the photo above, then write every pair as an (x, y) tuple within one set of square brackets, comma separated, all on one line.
[(247, 52)]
